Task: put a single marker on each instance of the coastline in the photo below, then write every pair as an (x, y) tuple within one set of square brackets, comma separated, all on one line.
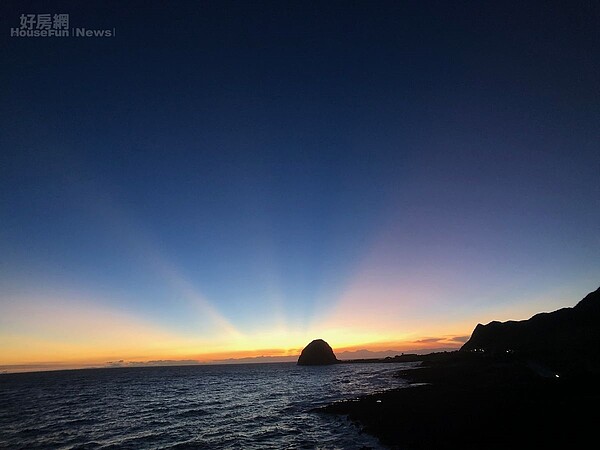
[(472, 401)]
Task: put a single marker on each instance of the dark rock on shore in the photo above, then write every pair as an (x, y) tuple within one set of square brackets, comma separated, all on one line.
[(317, 353), (471, 401)]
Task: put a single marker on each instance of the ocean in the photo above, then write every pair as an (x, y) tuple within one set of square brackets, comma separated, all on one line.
[(242, 406)]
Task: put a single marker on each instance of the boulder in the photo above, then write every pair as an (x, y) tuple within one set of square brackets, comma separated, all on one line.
[(317, 353)]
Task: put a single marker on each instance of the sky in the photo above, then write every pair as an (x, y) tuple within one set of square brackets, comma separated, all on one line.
[(234, 179)]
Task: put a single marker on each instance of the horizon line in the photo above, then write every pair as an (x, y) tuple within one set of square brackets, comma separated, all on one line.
[(10, 369)]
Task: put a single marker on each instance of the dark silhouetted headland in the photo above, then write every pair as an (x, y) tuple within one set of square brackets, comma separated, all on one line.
[(518, 385), (317, 353), (567, 339)]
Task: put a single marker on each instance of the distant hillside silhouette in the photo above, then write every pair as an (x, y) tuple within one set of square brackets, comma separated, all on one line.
[(561, 338)]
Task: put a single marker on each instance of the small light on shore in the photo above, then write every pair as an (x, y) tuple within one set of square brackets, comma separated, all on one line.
[(378, 401)]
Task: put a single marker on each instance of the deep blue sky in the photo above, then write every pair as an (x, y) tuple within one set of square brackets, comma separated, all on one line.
[(269, 156)]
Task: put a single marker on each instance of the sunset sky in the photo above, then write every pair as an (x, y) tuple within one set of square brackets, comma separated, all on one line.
[(234, 179)]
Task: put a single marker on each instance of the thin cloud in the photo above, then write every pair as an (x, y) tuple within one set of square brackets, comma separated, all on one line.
[(157, 362), (443, 340)]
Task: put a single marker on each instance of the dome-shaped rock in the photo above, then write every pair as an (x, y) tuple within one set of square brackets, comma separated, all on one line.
[(317, 353)]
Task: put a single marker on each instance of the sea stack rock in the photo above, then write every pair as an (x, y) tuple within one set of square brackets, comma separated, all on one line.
[(317, 353)]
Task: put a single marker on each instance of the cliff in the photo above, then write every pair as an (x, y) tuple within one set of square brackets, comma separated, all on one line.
[(568, 335)]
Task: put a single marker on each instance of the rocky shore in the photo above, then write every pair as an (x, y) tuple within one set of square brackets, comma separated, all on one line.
[(469, 401), (531, 384)]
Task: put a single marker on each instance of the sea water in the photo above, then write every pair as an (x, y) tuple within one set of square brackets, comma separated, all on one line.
[(242, 406)]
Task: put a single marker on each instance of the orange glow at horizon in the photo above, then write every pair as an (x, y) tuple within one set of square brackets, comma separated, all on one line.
[(71, 331), (75, 357)]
